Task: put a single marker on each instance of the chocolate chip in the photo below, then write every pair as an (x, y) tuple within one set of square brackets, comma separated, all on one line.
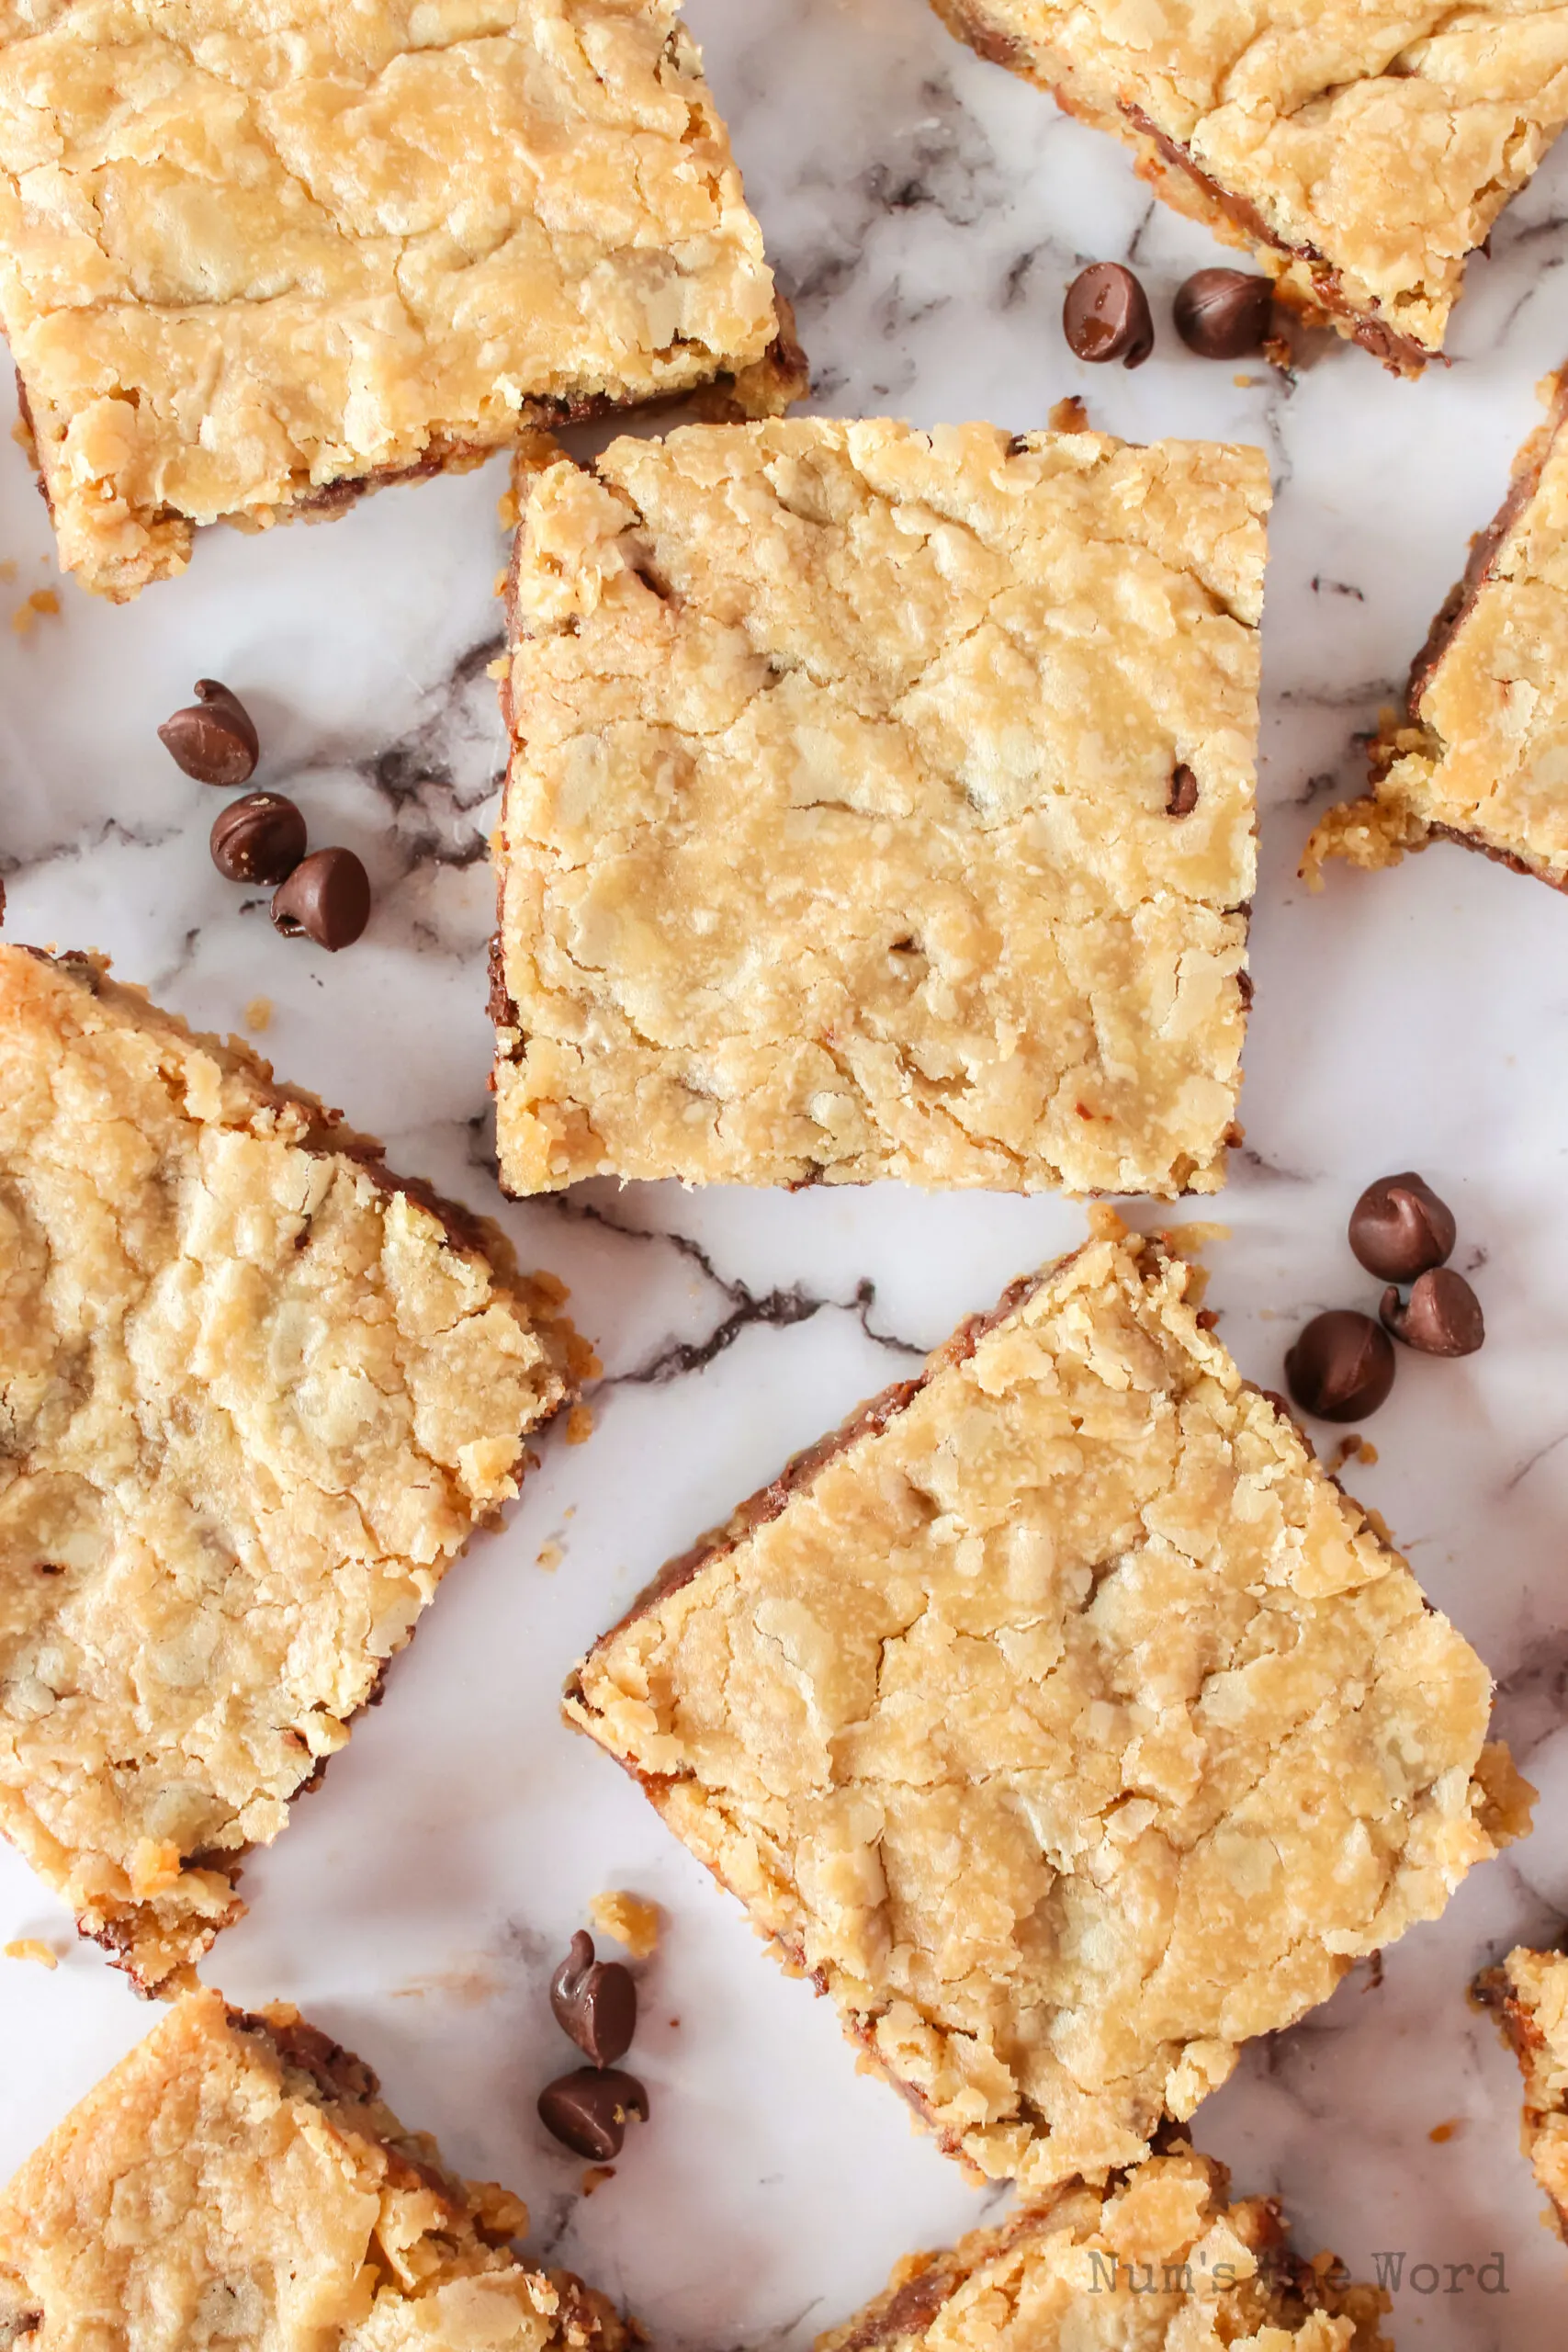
[(1106, 315), (260, 837), (327, 899), (1341, 1367), (1182, 796), (1442, 1318), (1399, 1227), (214, 738), (594, 2002), (1225, 314), (588, 2110)]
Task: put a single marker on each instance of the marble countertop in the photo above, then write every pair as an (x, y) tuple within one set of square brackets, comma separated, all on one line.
[(925, 211)]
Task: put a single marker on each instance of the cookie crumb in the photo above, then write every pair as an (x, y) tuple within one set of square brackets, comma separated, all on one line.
[(258, 1014), (1069, 415), (42, 600), (1354, 1448), (629, 1920), (1443, 2132), (549, 1557), (8, 569), (595, 2177), (579, 1425), (32, 1948)]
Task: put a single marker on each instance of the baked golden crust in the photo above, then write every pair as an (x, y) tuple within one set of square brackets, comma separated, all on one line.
[(238, 2180), (1529, 1993), (255, 1395), (253, 262), (1063, 1720), (1362, 148), (1479, 752), (1160, 2262), (838, 839)]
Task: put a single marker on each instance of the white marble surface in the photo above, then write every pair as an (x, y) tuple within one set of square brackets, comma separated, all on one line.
[(926, 211)]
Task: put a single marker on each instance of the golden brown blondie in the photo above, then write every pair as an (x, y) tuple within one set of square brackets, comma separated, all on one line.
[(253, 261), (1363, 152), (1160, 2262), (881, 804), (238, 2180), (1529, 1993), (1479, 754), (1064, 1721), (256, 1393)]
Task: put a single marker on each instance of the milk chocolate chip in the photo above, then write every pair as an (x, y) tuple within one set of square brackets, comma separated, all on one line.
[(1106, 315), (214, 738), (1399, 1227), (1341, 1367), (259, 838), (1442, 1317), (594, 2002), (588, 2110), (1225, 314), (327, 899)]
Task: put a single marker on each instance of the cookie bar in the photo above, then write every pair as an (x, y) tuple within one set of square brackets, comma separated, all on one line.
[(255, 1395), (254, 262), (1529, 1993), (1160, 2262), (1479, 754), (880, 804), (1062, 1719), (238, 2180), (1362, 155)]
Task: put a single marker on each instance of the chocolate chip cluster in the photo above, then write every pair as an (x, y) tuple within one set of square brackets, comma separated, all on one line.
[(321, 894), (595, 2003), (1218, 314), (1342, 1366)]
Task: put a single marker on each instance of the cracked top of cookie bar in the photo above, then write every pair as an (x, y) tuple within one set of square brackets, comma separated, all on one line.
[(1063, 1719), (248, 255), (255, 1395), (881, 804), (238, 2180), (1365, 147), (1160, 2262), (1479, 752), (1530, 1991)]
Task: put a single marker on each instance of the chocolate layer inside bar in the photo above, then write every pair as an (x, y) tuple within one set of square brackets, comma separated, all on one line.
[(1482, 565), (1374, 334)]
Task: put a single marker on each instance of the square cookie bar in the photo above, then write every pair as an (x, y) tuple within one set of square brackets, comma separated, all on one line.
[(1362, 153), (1479, 754), (1160, 2262), (238, 2180), (881, 804), (1529, 1993), (1062, 1719), (254, 261), (256, 1393)]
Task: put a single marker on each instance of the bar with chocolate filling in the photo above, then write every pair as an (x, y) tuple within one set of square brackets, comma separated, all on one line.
[(255, 261), (1159, 2262), (255, 1395), (1062, 1720), (1479, 753), (238, 2180), (1361, 156)]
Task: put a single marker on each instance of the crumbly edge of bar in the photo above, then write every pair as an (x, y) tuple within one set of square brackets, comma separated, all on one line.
[(539, 1299), (922, 2283), (534, 453), (478, 2217), (1494, 1989), (1304, 279), (765, 388), (1375, 831)]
